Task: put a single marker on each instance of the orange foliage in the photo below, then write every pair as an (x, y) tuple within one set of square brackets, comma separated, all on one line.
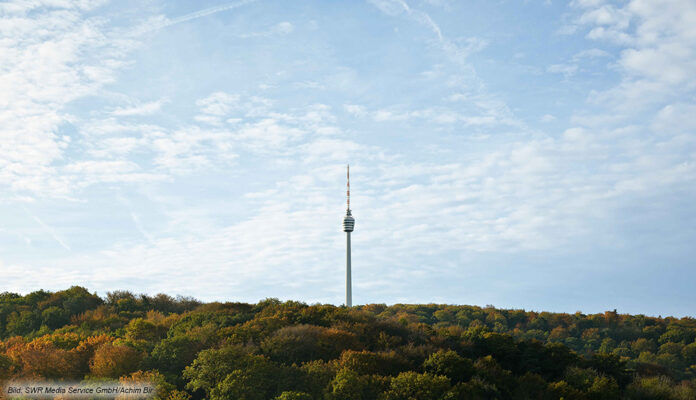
[(41, 358), (113, 361)]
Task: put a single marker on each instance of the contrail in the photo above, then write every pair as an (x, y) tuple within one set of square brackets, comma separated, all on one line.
[(51, 232), (139, 227), (424, 18), (197, 14)]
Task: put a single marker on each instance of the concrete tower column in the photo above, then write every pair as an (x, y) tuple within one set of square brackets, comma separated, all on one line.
[(349, 283)]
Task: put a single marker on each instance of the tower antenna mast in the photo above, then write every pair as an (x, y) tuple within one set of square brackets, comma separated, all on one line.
[(348, 186)]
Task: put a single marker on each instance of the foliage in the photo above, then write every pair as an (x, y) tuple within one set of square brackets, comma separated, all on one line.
[(294, 351)]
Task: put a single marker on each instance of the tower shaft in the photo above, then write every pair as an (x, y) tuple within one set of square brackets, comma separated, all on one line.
[(349, 283)]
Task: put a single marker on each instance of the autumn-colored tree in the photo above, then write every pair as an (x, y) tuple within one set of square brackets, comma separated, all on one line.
[(114, 361), (163, 388), (42, 359)]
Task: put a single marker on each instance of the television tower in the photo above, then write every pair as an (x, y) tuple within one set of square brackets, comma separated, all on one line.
[(348, 225)]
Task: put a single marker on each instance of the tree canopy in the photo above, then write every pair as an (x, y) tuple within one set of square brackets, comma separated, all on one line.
[(291, 350)]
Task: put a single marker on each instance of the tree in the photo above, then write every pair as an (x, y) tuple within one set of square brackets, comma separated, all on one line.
[(41, 358), (530, 386), (76, 300), (349, 385), (233, 372), (294, 396), (140, 329), (604, 388), (301, 343), (474, 389), (164, 389), (611, 365), (22, 323), (54, 317), (450, 364), (689, 353), (563, 390), (114, 361), (654, 388), (414, 386), (6, 365), (371, 363), (317, 376), (488, 369), (172, 355)]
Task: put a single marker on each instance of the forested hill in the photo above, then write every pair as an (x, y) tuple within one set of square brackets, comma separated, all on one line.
[(291, 350)]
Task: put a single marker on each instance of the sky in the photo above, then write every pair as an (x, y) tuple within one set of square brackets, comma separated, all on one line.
[(536, 155)]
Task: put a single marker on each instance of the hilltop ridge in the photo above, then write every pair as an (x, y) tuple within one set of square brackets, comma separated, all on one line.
[(291, 350)]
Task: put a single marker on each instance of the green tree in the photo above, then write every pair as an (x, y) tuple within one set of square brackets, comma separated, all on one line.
[(604, 388), (349, 385), (173, 354), (233, 372), (22, 323), (653, 388), (414, 386), (450, 364), (54, 317), (294, 396)]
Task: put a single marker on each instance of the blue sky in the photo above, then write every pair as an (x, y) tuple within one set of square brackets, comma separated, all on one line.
[(525, 154)]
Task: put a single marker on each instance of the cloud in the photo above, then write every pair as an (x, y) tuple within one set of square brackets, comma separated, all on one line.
[(90, 172), (139, 109), (218, 103), (485, 112), (590, 53), (355, 110), (567, 70), (659, 54), (52, 55), (226, 125), (279, 29), (572, 67)]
